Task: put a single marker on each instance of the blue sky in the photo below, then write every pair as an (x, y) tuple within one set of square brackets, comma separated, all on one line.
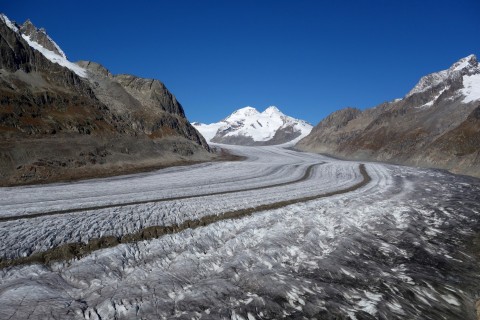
[(309, 58)]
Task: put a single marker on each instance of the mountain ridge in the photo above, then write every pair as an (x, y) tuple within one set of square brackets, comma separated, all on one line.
[(433, 125), (61, 121)]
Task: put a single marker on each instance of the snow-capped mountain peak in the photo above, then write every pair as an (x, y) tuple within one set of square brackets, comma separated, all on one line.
[(249, 127), (463, 67), (242, 113), (465, 63), (272, 110), (41, 37), (39, 40)]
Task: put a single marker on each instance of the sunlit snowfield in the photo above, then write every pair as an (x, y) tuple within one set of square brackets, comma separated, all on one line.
[(402, 246)]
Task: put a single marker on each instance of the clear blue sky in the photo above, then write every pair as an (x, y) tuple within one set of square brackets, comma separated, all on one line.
[(309, 58)]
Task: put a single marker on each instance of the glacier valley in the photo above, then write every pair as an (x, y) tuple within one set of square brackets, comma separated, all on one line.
[(285, 234)]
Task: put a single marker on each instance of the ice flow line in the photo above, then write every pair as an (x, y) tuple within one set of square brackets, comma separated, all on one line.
[(305, 176), (79, 249)]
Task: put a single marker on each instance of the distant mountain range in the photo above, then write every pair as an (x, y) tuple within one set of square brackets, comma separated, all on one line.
[(61, 120), (247, 126), (437, 124)]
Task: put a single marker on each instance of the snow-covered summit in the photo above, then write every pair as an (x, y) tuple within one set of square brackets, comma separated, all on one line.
[(273, 110), (39, 40), (248, 126), (464, 67), (467, 62), (243, 112)]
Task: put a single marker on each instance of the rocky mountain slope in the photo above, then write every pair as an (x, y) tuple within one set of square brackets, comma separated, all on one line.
[(60, 120), (249, 127), (437, 124)]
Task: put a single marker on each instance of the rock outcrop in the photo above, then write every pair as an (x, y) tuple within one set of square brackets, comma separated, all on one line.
[(146, 103), (41, 37), (435, 125)]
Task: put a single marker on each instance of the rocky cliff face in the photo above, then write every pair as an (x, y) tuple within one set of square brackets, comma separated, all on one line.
[(40, 36), (435, 125), (146, 104), (60, 120)]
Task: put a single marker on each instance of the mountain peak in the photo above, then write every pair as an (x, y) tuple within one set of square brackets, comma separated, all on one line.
[(28, 23), (39, 40), (247, 126), (273, 110), (41, 37), (464, 66), (467, 62), (244, 112), (247, 108)]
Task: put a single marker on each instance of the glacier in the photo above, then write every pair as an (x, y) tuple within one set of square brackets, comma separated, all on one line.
[(400, 246)]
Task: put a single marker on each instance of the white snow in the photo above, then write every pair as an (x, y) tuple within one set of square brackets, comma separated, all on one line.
[(9, 23), (248, 122), (471, 89), (55, 58), (208, 131), (259, 126), (463, 65), (117, 221), (62, 54), (429, 81)]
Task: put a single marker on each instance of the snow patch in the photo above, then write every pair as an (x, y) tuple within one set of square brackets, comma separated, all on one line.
[(208, 131), (62, 54), (471, 89), (55, 58), (9, 23)]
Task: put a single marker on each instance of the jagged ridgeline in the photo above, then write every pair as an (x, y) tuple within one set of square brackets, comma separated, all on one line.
[(61, 120), (437, 124)]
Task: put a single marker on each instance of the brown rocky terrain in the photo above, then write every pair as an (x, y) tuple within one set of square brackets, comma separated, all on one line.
[(437, 124), (57, 123)]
